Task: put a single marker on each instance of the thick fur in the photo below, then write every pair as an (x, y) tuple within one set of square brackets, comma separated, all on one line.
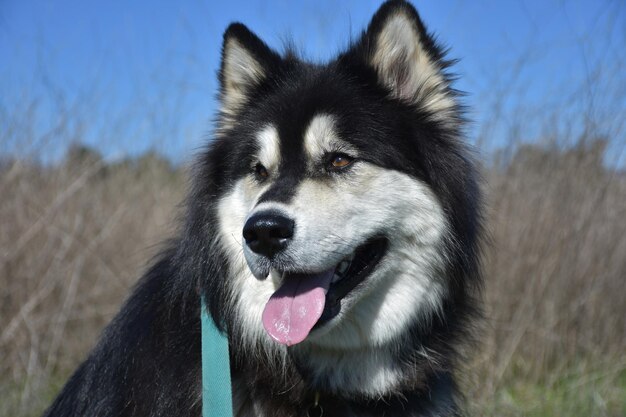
[(387, 103)]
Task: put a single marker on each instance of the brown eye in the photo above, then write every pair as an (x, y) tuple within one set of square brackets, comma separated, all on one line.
[(261, 172), (340, 160)]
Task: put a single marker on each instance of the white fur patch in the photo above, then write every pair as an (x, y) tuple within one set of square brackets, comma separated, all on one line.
[(241, 71), (269, 148), (405, 287), (406, 67), (321, 137), (354, 351), (251, 294)]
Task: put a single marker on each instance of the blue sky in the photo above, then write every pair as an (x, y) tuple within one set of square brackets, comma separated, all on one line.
[(126, 76)]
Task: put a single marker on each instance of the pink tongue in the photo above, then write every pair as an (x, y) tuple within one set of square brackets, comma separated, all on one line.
[(292, 311)]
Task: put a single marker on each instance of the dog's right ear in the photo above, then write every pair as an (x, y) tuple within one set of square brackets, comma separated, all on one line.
[(246, 62)]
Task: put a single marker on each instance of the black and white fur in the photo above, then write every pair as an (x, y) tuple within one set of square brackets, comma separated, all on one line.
[(387, 104)]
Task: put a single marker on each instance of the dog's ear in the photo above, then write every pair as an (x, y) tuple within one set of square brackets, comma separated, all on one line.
[(406, 58), (246, 62)]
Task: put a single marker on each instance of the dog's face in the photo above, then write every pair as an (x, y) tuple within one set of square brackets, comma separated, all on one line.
[(330, 213), (326, 215)]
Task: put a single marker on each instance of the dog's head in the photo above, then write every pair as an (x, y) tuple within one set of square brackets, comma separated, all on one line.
[(345, 203)]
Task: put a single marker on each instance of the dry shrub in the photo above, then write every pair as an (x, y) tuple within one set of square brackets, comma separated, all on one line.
[(74, 239), (555, 276), (556, 271)]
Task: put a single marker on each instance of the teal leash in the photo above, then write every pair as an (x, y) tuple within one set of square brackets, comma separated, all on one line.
[(217, 398)]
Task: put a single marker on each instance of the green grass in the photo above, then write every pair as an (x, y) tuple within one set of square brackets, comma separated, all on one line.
[(573, 393), (43, 393)]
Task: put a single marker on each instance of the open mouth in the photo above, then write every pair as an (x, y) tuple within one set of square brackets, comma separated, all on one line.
[(308, 300), (351, 272)]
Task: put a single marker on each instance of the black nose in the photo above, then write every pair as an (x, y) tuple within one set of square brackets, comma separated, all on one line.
[(267, 233)]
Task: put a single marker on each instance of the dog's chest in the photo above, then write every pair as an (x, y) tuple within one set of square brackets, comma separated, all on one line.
[(246, 404)]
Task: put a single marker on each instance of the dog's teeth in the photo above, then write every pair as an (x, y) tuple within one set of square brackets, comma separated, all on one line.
[(341, 270), (343, 267)]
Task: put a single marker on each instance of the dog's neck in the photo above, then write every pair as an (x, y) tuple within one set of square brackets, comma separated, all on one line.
[(422, 385)]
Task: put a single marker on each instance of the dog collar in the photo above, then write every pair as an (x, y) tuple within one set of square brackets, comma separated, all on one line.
[(217, 398)]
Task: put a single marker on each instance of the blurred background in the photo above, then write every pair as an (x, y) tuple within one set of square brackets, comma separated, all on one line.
[(103, 105)]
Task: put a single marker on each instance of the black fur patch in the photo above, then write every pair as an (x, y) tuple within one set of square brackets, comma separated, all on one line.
[(147, 362)]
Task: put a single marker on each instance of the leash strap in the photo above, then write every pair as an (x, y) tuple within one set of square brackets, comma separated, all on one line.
[(217, 399)]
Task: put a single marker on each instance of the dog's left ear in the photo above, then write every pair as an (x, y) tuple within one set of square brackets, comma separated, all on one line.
[(405, 57)]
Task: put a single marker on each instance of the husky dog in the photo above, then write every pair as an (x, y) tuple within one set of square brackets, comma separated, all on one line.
[(333, 226)]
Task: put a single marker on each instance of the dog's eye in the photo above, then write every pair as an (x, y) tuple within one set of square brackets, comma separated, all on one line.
[(340, 161), (261, 172)]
